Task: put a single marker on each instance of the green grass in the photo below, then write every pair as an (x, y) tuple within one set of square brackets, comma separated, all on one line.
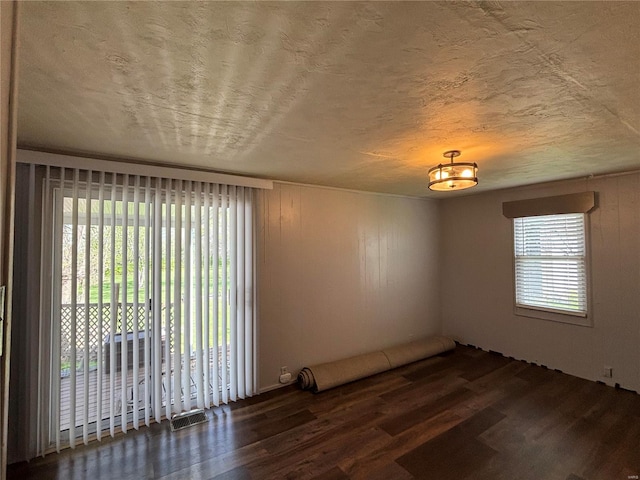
[(94, 293)]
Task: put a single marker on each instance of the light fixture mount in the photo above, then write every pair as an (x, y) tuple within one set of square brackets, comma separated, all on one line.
[(451, 154), (453, 175)]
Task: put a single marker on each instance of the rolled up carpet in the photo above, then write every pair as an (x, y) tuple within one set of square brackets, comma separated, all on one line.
[(332, 374), (418, 350)]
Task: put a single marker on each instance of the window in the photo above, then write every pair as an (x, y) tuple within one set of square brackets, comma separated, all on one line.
[(147, 301), (550, 265)]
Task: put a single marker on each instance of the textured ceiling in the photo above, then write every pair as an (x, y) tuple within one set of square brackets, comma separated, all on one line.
[(356, 95)]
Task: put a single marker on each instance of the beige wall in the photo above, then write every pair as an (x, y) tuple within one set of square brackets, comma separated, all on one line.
[(6, 31), (477, 274), (342, 273), (8, 91)]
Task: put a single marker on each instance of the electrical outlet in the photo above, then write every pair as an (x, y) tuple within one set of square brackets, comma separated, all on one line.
[(285, 376), (608, 372)]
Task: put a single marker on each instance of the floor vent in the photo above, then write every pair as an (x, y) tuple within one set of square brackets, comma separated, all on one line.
[(187, 419)]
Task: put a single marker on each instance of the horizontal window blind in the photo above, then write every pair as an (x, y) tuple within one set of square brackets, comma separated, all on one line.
[(550, 265), (151, 301)]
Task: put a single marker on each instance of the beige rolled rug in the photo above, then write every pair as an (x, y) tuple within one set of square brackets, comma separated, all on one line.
[(418, 350), (329, 375), (332, 374)]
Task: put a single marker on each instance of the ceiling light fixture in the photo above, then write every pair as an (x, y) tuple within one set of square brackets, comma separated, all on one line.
[(453, 175)]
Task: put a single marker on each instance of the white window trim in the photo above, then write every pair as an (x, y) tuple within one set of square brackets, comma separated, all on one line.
[(579, 319)]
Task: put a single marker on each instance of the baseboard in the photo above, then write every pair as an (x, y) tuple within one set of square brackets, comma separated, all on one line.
[(276, 386)]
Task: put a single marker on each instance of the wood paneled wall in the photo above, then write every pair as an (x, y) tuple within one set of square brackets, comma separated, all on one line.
[(8, 96), (342, 273), (477, 251)]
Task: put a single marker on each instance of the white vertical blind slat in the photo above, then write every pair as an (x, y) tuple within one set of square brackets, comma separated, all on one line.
[(30, 240), (206, 295), (249, 366), (147, 302), (45, 306), (157, 301), (87, 289), (136, 302), (124, 340), (233, 295), (44, 327), (74, 309), (215, 293), (100, 367), (186, 360), (177, 302), (113, 309), (169, 306), (240, 306), (198, 261), (55, 318), (224, 294)]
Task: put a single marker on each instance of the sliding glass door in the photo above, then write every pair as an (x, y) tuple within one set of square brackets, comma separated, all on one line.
[(147, 300)]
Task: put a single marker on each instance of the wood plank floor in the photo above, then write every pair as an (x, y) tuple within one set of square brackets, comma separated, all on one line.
[(467, 414)]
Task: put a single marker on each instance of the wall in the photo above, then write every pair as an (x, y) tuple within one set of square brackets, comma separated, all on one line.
[(477, 260), (8, 94), (6, 16), (342, 273)]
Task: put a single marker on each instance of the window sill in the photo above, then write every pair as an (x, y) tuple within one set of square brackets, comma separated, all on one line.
[(580, 320)]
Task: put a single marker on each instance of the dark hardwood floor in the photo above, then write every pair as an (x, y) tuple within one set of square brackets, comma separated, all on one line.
[(468, 414)]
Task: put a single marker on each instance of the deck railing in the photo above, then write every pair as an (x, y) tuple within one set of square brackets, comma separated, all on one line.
[(95, 316)]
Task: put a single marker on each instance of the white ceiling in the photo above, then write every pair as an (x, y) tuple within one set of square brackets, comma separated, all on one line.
[(357, 95)]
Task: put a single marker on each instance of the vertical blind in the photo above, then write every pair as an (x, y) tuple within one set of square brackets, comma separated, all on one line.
[(550, 266), (147, 301)]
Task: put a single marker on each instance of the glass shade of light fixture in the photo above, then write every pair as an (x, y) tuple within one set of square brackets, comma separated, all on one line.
[(453, 175)]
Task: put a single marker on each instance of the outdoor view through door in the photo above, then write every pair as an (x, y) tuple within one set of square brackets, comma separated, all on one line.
[(148, 306)]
